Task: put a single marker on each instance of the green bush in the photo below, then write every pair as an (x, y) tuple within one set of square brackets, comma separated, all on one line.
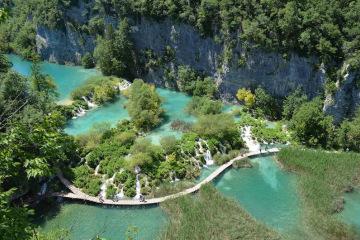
[(93, 186), (120, 178), (110, 192), (130, 191), (204, 106), (101, 89), (88, 61), (144, 105)]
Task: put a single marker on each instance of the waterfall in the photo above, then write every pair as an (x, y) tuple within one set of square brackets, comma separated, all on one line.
[(138, 184), (88, 102), (208, 158), (97, 169), (120, 194), (79, 112), (206, 152), (252, 144), (43, 189), (103, 188), (124, 85)]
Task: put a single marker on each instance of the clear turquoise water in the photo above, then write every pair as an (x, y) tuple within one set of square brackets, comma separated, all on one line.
[(87, 221), (351, 212), (266, 192), (66, 78), (174, 104), (109, 113)]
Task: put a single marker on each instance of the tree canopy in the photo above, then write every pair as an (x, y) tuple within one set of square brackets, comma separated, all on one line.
[(144, 105)]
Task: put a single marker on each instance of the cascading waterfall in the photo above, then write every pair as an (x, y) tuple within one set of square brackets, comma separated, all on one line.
[(252, 144), (120, 195), (138, 184), (207, 154), (124, 85), (89, 103), (79, 112), (208, 158), (103, 186), (97, 169)]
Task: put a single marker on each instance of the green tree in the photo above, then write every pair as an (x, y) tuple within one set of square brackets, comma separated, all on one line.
[(3, 15), (220, 127), (311, 126), (204, 106), (348, 134), (42, 84), (266, 104), (4, 63), (88, 61), (144, 105), (293, 102), (115, 52), (246, 96), (14, 221)]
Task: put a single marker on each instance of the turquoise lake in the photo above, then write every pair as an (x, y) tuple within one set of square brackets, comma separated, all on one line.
[(265, 191), (66, 78)]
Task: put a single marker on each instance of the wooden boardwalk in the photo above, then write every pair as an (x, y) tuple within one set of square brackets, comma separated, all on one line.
[(76, 193)]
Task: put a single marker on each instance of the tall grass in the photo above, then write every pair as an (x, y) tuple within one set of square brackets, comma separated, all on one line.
[(211, 216), (323, 178)]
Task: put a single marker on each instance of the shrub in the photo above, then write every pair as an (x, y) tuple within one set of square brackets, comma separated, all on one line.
[(110, 192), (204, 106), (88, 61), (144, 105), (130, 192)]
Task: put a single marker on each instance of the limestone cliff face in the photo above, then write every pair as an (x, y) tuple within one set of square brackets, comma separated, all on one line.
[(63, 46), (269, 70), (346, 99)]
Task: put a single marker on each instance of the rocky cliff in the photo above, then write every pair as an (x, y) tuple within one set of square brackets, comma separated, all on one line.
[(279, 76), (346, 99)]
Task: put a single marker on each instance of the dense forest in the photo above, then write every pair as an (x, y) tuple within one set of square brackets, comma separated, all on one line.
[(327, 29)]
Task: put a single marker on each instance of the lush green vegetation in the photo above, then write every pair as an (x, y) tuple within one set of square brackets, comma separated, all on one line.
[(219, 129), (260, 103), (311, 127), (292, 103), (203, 106), (211, 216), (323, 178), (261, 132), (144, 105), (119, 150), (32, 144), (348, 134), (99, 89), (115, 53), (88, 61)]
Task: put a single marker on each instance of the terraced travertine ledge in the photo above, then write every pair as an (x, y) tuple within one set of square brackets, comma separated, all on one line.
[(77, 194)]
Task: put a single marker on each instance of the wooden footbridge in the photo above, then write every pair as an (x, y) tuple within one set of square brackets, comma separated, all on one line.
[(76, 193)]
